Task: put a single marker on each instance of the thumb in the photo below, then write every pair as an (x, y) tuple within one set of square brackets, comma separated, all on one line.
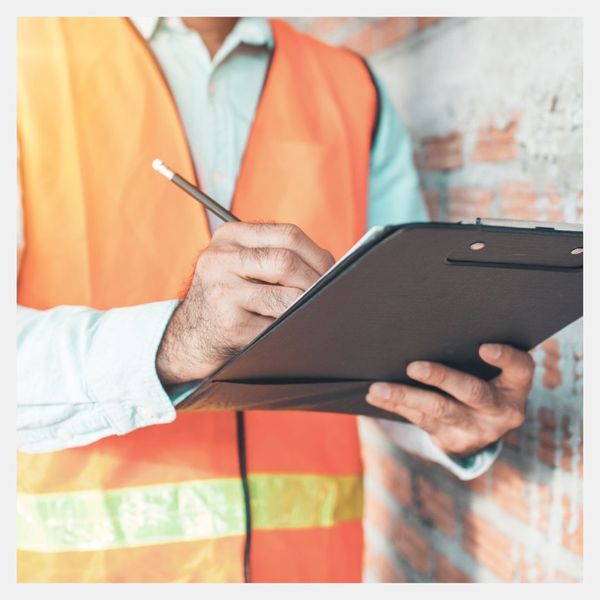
[(517, 366)]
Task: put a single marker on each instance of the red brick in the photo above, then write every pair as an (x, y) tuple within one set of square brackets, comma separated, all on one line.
[(412, 546), (505, 475), (489, 546), (378, 515), (432, 200), (440, 516), (510, 490), (544, 505), (547, 437), (395, 477), (380, 34), (547, 455), (580, 207), (518, 201), (546, 418), (392, 30), (552, 376), (436, 506), (554, 210), (468, 203), (384, 570), (362, 40), (446, 572), (496, 144), (572, 539), (321, 27), (546, 451), (424, 22), (513, 438), (531, 572), (441, 153), (566, 459), (479, 485), (515, 505), (480, 533)]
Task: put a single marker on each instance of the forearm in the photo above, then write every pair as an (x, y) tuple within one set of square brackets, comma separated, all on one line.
[(84, 374)]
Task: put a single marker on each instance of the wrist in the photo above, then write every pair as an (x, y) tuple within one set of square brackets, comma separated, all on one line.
[(176, 362)]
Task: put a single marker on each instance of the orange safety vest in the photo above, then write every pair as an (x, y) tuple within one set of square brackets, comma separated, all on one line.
[(165, 503)]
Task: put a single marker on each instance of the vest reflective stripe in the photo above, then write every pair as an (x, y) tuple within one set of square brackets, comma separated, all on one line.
[(198, 561), (103, 230), (192, 510), (205, 561)]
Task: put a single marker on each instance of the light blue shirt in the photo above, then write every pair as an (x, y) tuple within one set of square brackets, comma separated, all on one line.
[(85, 374)]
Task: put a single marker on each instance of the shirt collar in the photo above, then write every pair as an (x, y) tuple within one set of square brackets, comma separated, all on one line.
[(254, 31)]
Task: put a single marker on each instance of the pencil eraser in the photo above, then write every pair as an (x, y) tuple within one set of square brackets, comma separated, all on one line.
[(160, 166)]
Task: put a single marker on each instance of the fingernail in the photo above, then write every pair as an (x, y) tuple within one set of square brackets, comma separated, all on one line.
[(493, 350), (419, 369), (381, 390)]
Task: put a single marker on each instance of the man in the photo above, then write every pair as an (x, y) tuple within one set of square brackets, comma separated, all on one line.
[(301, 143)]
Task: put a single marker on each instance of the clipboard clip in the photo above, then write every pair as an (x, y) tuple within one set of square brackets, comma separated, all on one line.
[(523, 224)]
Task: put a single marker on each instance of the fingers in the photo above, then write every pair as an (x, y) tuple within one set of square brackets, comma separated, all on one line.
[(266, 300), (428, 410), (517, 366), (237, 326), (255, 325), (277, 235), (466, 388), (274, 265)]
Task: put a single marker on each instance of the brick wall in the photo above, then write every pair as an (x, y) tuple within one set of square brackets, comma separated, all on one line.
[(494, 108)]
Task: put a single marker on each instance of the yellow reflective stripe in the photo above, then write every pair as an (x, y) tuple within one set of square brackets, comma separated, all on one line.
[(184, 511), (300, 501)]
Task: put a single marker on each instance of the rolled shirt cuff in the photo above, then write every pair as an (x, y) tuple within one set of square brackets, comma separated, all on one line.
[(121, 374), (418, 442)]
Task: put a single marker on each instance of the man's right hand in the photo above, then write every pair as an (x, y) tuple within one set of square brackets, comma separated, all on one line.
[(246, 277)]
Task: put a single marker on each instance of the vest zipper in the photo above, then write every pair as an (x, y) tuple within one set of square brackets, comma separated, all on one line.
[(241, 447)]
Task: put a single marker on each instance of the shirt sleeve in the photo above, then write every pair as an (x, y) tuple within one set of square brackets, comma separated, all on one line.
[(84, 374), (395, 198)]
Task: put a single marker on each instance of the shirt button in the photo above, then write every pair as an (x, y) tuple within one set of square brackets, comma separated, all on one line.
[(212, 89)]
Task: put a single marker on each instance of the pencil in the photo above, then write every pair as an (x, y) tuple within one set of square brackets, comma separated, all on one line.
[(192, 190)]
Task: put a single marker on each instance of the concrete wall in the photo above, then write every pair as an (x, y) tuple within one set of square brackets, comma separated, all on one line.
[(494, 107)]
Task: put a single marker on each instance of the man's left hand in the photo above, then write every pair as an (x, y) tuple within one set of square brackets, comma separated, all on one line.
[(468, 413)]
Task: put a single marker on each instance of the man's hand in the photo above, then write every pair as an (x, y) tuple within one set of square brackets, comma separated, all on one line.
[(472, 413), (246, 277)]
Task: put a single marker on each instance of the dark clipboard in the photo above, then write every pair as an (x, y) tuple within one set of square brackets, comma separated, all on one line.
[(414, 291)]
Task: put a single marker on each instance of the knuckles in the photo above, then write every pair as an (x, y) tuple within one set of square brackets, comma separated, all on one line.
[(275, 299), (515, 416), (528, 368), (420, 419), (292, 233), (478, 390), (464, 442), (214, 257), (439, 408), (284, 261), (437, 376), (522, 366), (326, 260)]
